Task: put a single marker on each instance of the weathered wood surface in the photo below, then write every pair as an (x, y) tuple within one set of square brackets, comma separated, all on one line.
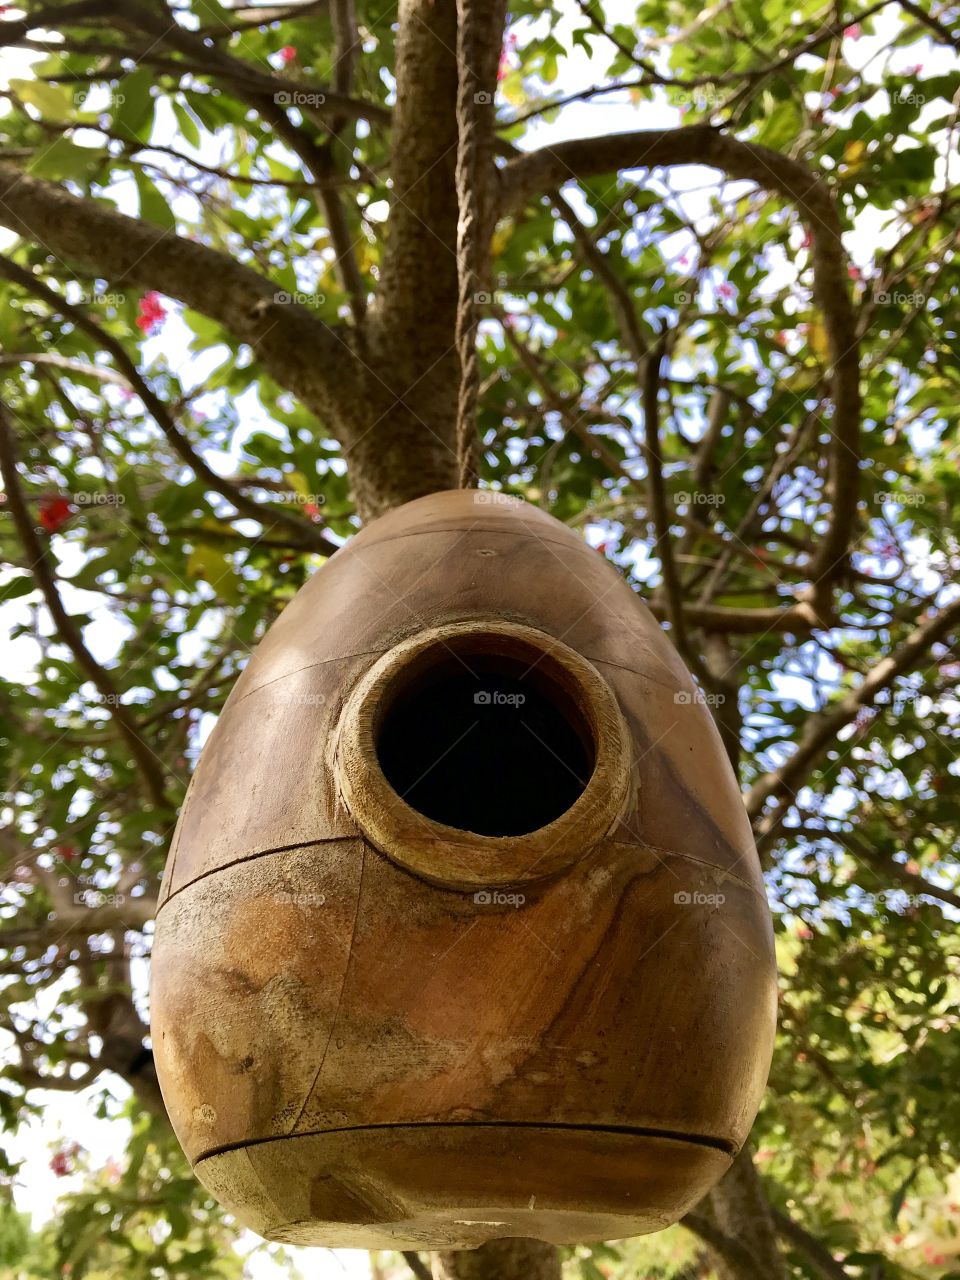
[(352, 1055)]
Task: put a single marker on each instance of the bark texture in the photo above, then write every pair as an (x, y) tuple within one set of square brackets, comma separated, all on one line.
[(500, 1260)]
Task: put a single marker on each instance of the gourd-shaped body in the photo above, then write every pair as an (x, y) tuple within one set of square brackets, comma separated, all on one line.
[(462, 933)]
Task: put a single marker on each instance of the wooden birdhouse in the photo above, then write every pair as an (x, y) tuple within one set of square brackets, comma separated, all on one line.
[(462, 934)]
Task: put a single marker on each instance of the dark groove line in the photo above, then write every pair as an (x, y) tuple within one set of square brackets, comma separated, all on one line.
[(701, 1140)]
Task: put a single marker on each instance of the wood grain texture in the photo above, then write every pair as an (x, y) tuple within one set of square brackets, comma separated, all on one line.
[(458, 1186), (360, 1048)]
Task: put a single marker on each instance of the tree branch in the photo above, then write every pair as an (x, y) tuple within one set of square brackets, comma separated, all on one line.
[(307, 534), (813, 1249), (303, 354), (737, 1256), (149, 766), (820, 730), (877, 862), (546, 169)]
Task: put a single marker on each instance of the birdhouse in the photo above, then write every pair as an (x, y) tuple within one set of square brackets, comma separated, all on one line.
[(462, 934)]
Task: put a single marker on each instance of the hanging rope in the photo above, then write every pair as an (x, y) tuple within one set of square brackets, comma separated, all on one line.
[(472, 101)]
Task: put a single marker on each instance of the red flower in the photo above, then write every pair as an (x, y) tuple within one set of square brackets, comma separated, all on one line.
[(509, 45), (288, 53), (853, 272), (312, 510), (854, 31), (66, 851), (54, 513), (152, 313), (60, 1164)]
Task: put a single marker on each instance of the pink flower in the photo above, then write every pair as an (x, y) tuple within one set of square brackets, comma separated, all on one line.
[(853, 272), (807, 240), (725, 290), (288, 53), (854, 31), (509, 46), (152, 313)]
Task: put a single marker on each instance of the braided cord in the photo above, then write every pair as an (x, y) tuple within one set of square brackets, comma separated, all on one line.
[(471, 102)]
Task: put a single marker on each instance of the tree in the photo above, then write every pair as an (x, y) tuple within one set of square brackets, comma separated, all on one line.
[(682, 374)]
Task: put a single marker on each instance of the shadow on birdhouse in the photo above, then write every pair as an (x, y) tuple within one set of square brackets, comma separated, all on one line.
[(462, 934)]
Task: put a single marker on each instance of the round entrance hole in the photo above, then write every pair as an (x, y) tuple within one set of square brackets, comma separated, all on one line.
[(488, 742), (483, 754)]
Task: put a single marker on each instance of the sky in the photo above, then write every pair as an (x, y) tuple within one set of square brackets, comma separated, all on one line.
[(69, 1118)]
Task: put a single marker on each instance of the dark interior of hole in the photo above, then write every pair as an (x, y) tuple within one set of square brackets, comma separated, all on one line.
[(484, 744)]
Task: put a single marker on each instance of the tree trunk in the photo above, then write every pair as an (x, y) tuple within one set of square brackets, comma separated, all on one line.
[(743, 1213), (500, 1260)]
